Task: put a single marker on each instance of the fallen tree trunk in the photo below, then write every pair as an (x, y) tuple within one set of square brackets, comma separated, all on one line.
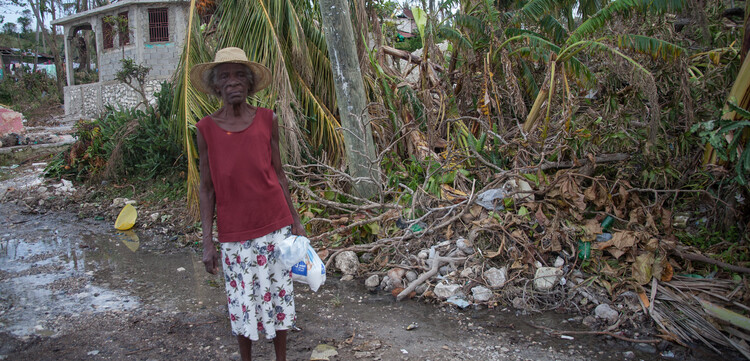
[(403, 54)]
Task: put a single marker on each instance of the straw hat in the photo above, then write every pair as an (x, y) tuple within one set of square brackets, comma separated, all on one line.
[(199, 74)]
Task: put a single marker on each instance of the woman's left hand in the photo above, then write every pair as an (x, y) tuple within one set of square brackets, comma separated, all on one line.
[(298, 229)]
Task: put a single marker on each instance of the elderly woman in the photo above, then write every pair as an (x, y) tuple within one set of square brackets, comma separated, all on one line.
[(241, 178)]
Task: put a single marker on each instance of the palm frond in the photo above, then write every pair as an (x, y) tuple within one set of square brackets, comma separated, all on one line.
[(190, 105), (472, 23), (454, 36), (650, 46), (601, 18), (553, 29), (536, 9)]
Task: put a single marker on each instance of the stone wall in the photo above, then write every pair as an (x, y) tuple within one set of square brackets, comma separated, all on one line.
[(88, 101), (161, 57)]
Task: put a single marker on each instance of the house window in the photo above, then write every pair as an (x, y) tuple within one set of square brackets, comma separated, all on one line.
[(158, 25), (125, 35), (108, 32)]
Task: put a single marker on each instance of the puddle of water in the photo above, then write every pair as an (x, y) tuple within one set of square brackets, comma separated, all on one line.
[(55, 266)]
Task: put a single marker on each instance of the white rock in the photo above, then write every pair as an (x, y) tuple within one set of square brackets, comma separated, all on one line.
[(346, 278), (496, 278), (154, 217), (131, 202), (372, 282), (546, 278), (604, 311), (445, 290), (411, 276), (481, 293), (423, 254), (467, 272), (118, 202), (559, 262), (181, 269), (386, 284), (347, 262)]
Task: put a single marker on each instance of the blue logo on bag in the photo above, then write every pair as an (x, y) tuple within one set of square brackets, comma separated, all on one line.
[(300, 268)]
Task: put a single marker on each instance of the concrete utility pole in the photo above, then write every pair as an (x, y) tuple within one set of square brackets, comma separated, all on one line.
[(350, 96)]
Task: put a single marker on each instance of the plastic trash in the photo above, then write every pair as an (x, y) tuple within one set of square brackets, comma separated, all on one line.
[(607, 222), (584, 249), (293, 249), (604, 237), (492, 199), (126, 218), (310, 270)]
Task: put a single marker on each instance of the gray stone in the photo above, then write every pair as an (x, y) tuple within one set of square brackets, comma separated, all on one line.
[(347, 262), (446, 270), (645, 347), (386, 284), (519, 303), (346, 278), (372, 282), (411, 276), (559, 262), (589, 321), (445, 290), (421, 289), (467, 272), (481, 294), (604, 311), (546, 278), (628, 355), (396, 275), (465, 246), (496, 277), (423, 254)]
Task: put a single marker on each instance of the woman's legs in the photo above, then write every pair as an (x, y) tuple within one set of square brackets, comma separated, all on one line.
[(279, 345), (246, 347)]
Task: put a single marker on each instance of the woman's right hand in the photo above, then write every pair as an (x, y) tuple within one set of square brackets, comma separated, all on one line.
[(211, 259)]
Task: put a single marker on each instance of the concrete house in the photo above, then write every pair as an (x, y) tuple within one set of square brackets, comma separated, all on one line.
[(155, 39)]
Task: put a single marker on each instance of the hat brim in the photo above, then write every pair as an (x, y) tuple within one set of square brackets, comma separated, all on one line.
[(200, 73)]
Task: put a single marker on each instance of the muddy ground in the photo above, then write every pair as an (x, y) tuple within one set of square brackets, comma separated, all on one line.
[(75, 289)]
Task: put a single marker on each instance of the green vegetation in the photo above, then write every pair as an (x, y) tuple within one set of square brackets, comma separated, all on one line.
[(124, 143)]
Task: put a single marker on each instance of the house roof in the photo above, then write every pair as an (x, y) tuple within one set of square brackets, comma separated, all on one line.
[(407, 13), (405, 34), (107, 8)]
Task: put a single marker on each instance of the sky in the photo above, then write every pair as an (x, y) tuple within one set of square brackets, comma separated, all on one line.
[(13, 12)]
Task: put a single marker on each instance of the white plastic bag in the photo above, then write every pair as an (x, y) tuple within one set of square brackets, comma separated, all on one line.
[(310, 270), (293, 249)]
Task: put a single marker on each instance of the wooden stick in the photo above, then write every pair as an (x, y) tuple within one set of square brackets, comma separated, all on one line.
[(704, 259), (436, 262)]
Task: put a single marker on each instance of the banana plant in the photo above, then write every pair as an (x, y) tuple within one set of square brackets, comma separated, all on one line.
[(563, 64)]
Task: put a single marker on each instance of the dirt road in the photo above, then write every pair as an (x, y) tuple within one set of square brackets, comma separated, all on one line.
[(75, 289)]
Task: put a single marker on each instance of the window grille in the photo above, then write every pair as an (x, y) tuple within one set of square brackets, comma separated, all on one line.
[(158, 25), (108, 32), (125, 35)]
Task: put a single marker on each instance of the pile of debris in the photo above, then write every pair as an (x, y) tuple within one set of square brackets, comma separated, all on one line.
[(570, 244)]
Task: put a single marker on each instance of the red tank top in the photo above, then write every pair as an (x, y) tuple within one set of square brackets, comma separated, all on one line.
[(249, 200)]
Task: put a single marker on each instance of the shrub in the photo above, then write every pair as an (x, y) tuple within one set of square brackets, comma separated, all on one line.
[(123, 143)]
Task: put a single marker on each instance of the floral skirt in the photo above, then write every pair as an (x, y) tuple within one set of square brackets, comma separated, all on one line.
[(259, 287)]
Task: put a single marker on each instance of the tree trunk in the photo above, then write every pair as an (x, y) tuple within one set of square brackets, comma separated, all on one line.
[(53, 46), (350, 97)]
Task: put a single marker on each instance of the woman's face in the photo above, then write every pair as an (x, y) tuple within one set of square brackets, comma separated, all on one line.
[(232, 82)]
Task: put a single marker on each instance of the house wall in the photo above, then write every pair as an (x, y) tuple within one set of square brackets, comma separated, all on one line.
[(87, 101), (161, 57)]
